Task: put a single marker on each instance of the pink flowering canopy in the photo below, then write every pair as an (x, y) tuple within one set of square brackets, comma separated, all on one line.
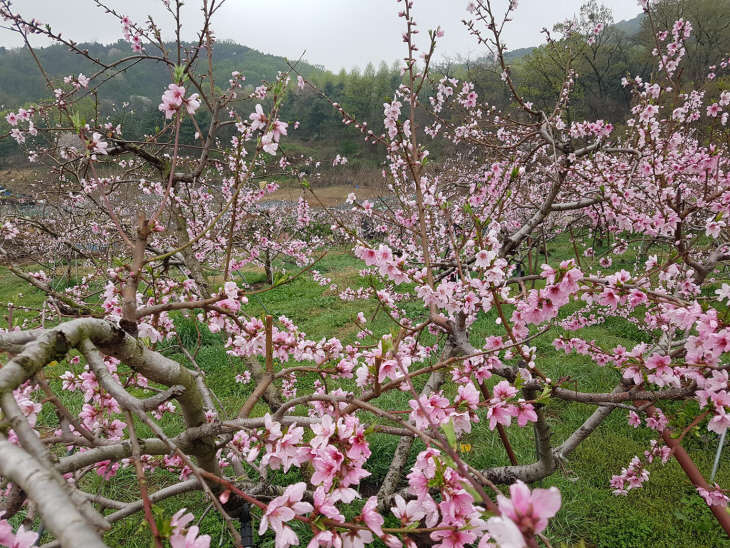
[(164, 234)]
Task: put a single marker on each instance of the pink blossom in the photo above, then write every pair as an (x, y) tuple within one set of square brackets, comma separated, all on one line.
[(327, 539), (6, 531), (268, 144), (96, 145), (26, 539), (278, 128), (723, 293), (173, 98), (18, 136), (530, 510), (324, 505), (453, 539), (356, 538), (180, 519), (168, 108), (283, 509), (258, 119), (713, 110), (192, 103), (505, 532), (484, 258), (371, 517), (175, 93), (503, 391), (714, 497), (713, 227), (719, 422), (408, 513), (658, 421), (469, 395), (190, 540), (499, 414), (524, 412)]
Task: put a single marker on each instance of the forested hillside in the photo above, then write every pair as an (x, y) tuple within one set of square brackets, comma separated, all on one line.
[(600, 59), (22, 82)]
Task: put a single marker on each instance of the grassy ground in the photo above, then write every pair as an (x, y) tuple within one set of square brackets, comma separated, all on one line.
[(667, 512)]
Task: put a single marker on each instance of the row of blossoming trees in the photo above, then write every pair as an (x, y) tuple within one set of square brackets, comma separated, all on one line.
[(161, 234)]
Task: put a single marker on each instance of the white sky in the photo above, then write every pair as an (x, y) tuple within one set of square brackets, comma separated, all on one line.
[(333, 33)]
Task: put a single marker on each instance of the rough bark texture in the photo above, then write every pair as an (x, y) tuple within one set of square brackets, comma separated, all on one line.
[(113, 341), (60, 515)]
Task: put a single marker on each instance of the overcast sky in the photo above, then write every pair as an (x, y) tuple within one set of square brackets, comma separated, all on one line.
[(333, 33)]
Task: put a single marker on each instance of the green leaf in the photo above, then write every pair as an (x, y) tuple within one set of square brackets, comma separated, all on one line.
[(179, 74), (77, 121), (450, 433), (519, 382), (142, 529), (387, 343), (545, 396), (280, 278)]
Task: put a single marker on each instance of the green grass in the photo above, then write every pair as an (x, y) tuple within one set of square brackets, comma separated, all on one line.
[(667, 512)]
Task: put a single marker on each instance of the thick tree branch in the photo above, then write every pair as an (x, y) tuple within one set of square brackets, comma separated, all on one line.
[(59, 512)]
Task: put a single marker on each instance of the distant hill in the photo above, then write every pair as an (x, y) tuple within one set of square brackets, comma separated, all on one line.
[(22, 82), (631, 26), (517, 53)]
